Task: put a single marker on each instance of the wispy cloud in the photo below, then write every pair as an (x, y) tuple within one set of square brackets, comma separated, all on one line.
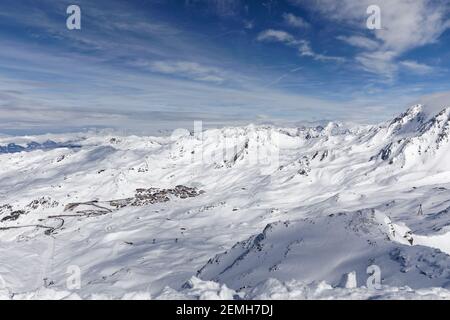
[(295, 21), (303, 46), (360, 42), (249, 24), (277, 36), (417, 67), (185, 69), (134, 64), (406, 25), (224, 8)]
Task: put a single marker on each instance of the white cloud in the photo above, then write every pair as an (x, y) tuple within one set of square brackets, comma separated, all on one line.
[(305, 49), (360, 42), (406, 25), (416, 67), (277, 36), (185, 69), (379, 62), (303, 46), (223, 8), (295, 21)]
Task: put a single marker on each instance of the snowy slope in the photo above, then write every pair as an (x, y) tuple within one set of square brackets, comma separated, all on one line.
[(236, 206)]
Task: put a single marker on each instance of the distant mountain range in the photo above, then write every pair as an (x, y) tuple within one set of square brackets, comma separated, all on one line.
[(32, 146)]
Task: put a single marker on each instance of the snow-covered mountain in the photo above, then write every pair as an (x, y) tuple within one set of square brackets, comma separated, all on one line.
[(247, 212)]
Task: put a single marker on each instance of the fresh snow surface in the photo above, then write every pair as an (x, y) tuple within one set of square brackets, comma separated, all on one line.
[(270, 289), (254, 212)]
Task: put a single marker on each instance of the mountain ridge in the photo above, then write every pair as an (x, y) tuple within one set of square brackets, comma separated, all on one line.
[(325, 182)]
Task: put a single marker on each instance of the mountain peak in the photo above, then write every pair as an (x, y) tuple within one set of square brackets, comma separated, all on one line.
[(408, 121)]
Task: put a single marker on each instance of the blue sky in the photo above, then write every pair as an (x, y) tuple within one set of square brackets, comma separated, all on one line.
[(142, 64)]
